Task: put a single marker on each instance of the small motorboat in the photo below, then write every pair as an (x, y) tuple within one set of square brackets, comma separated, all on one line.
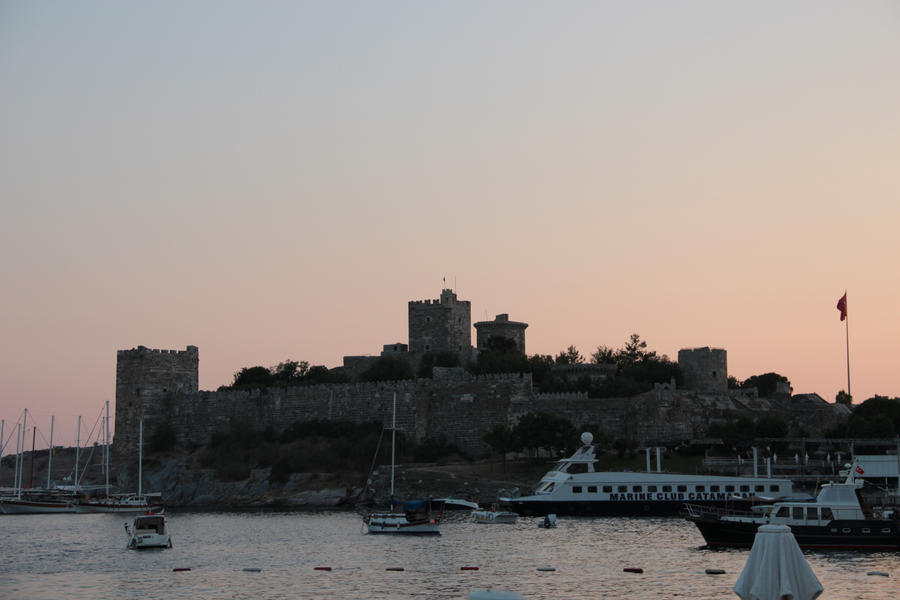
[(148, 531), (494, 516)]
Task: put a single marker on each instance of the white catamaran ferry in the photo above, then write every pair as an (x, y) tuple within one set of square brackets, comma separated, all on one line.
[(574, 488)]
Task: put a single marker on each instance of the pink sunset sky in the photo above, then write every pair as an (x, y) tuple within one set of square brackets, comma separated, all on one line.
[(275, 180)]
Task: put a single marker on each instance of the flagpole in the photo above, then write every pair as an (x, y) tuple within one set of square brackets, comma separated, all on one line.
[(847, 331)]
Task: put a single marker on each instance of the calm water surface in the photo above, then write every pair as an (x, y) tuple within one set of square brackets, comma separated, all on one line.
[(84, 557)]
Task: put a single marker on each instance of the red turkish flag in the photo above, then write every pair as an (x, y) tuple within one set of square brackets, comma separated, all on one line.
[(859, 469), (842, 306)]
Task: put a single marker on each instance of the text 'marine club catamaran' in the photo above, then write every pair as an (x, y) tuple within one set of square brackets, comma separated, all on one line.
[(574, 488)]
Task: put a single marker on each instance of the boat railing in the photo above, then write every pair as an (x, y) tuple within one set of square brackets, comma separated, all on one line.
[(699, 510)]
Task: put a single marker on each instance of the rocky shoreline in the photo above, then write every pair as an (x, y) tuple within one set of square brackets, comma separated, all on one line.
[(199, 489)]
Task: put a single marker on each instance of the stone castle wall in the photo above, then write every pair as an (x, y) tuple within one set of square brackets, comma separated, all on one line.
[(161, 386)]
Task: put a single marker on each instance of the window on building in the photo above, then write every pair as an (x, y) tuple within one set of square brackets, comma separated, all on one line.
[(576, 489)]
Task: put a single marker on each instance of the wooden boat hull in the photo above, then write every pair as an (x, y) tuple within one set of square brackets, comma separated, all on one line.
[(31, 507)]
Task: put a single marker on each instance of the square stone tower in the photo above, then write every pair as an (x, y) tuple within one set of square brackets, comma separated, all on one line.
[(441, 325)]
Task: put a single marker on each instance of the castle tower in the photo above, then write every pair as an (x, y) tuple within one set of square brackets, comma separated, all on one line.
[(143, 378), (501, 327), (441, 325), (704, 369)]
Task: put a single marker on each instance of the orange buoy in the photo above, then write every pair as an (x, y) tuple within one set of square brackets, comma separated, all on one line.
[(633, 570), (468, 568), (321, 568)]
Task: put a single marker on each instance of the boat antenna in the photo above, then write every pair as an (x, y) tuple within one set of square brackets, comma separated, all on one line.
[(77, 452), (140, 455), (107, 449)]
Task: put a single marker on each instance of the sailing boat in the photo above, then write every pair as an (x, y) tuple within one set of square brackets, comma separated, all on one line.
[(122, 503), (33, 501), (410, 517)]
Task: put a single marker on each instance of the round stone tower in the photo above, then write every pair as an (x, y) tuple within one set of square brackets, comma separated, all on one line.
[(501, 327), (704, 369)]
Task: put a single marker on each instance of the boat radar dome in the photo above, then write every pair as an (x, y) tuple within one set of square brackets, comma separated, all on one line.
[(586, 438)]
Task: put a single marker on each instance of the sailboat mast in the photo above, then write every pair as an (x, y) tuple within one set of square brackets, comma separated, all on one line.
[(393, 444), (140, 455), (18, 455), (50, 454), (107, 448), (77, 452), (2, 439), (31, 473)]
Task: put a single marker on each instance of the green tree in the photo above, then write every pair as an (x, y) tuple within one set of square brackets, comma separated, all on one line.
[(544, 430), (604, 355), (289, 371), (252, 378), (766, 384), (570, 356), (634, 352), (501, 439), (387, 368), (843, 398)]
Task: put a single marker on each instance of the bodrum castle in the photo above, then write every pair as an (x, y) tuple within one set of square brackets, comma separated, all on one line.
[(161, 386)]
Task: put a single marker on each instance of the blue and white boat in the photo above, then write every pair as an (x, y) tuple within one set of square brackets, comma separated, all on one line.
[(574, 488)]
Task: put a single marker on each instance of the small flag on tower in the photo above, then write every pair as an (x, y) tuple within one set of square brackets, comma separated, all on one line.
[(842, 306)]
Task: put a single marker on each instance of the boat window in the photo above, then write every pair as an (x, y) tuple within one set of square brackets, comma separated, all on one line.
[(866, 530), (623, 488), (729, 488), (798, 513), (592, 489), (637, 489), (682, 488), (667, 488), (760, 488), (714, 488), (577, 468), (885, 530), (774, 488), (826, 513), (845, 530), (812, 513), (651, 488), (783, 512), (701, 488), (745, 488), (607, 489), (547, 488), (576, 489)]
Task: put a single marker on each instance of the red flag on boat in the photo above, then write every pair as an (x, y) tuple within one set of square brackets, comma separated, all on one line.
[(859, 469), (842, 306)]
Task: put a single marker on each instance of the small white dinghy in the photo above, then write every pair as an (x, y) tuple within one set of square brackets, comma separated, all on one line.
[(148, 531), (494, 516)]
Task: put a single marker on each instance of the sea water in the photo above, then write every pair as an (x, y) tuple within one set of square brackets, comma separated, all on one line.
[(275, 555)]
